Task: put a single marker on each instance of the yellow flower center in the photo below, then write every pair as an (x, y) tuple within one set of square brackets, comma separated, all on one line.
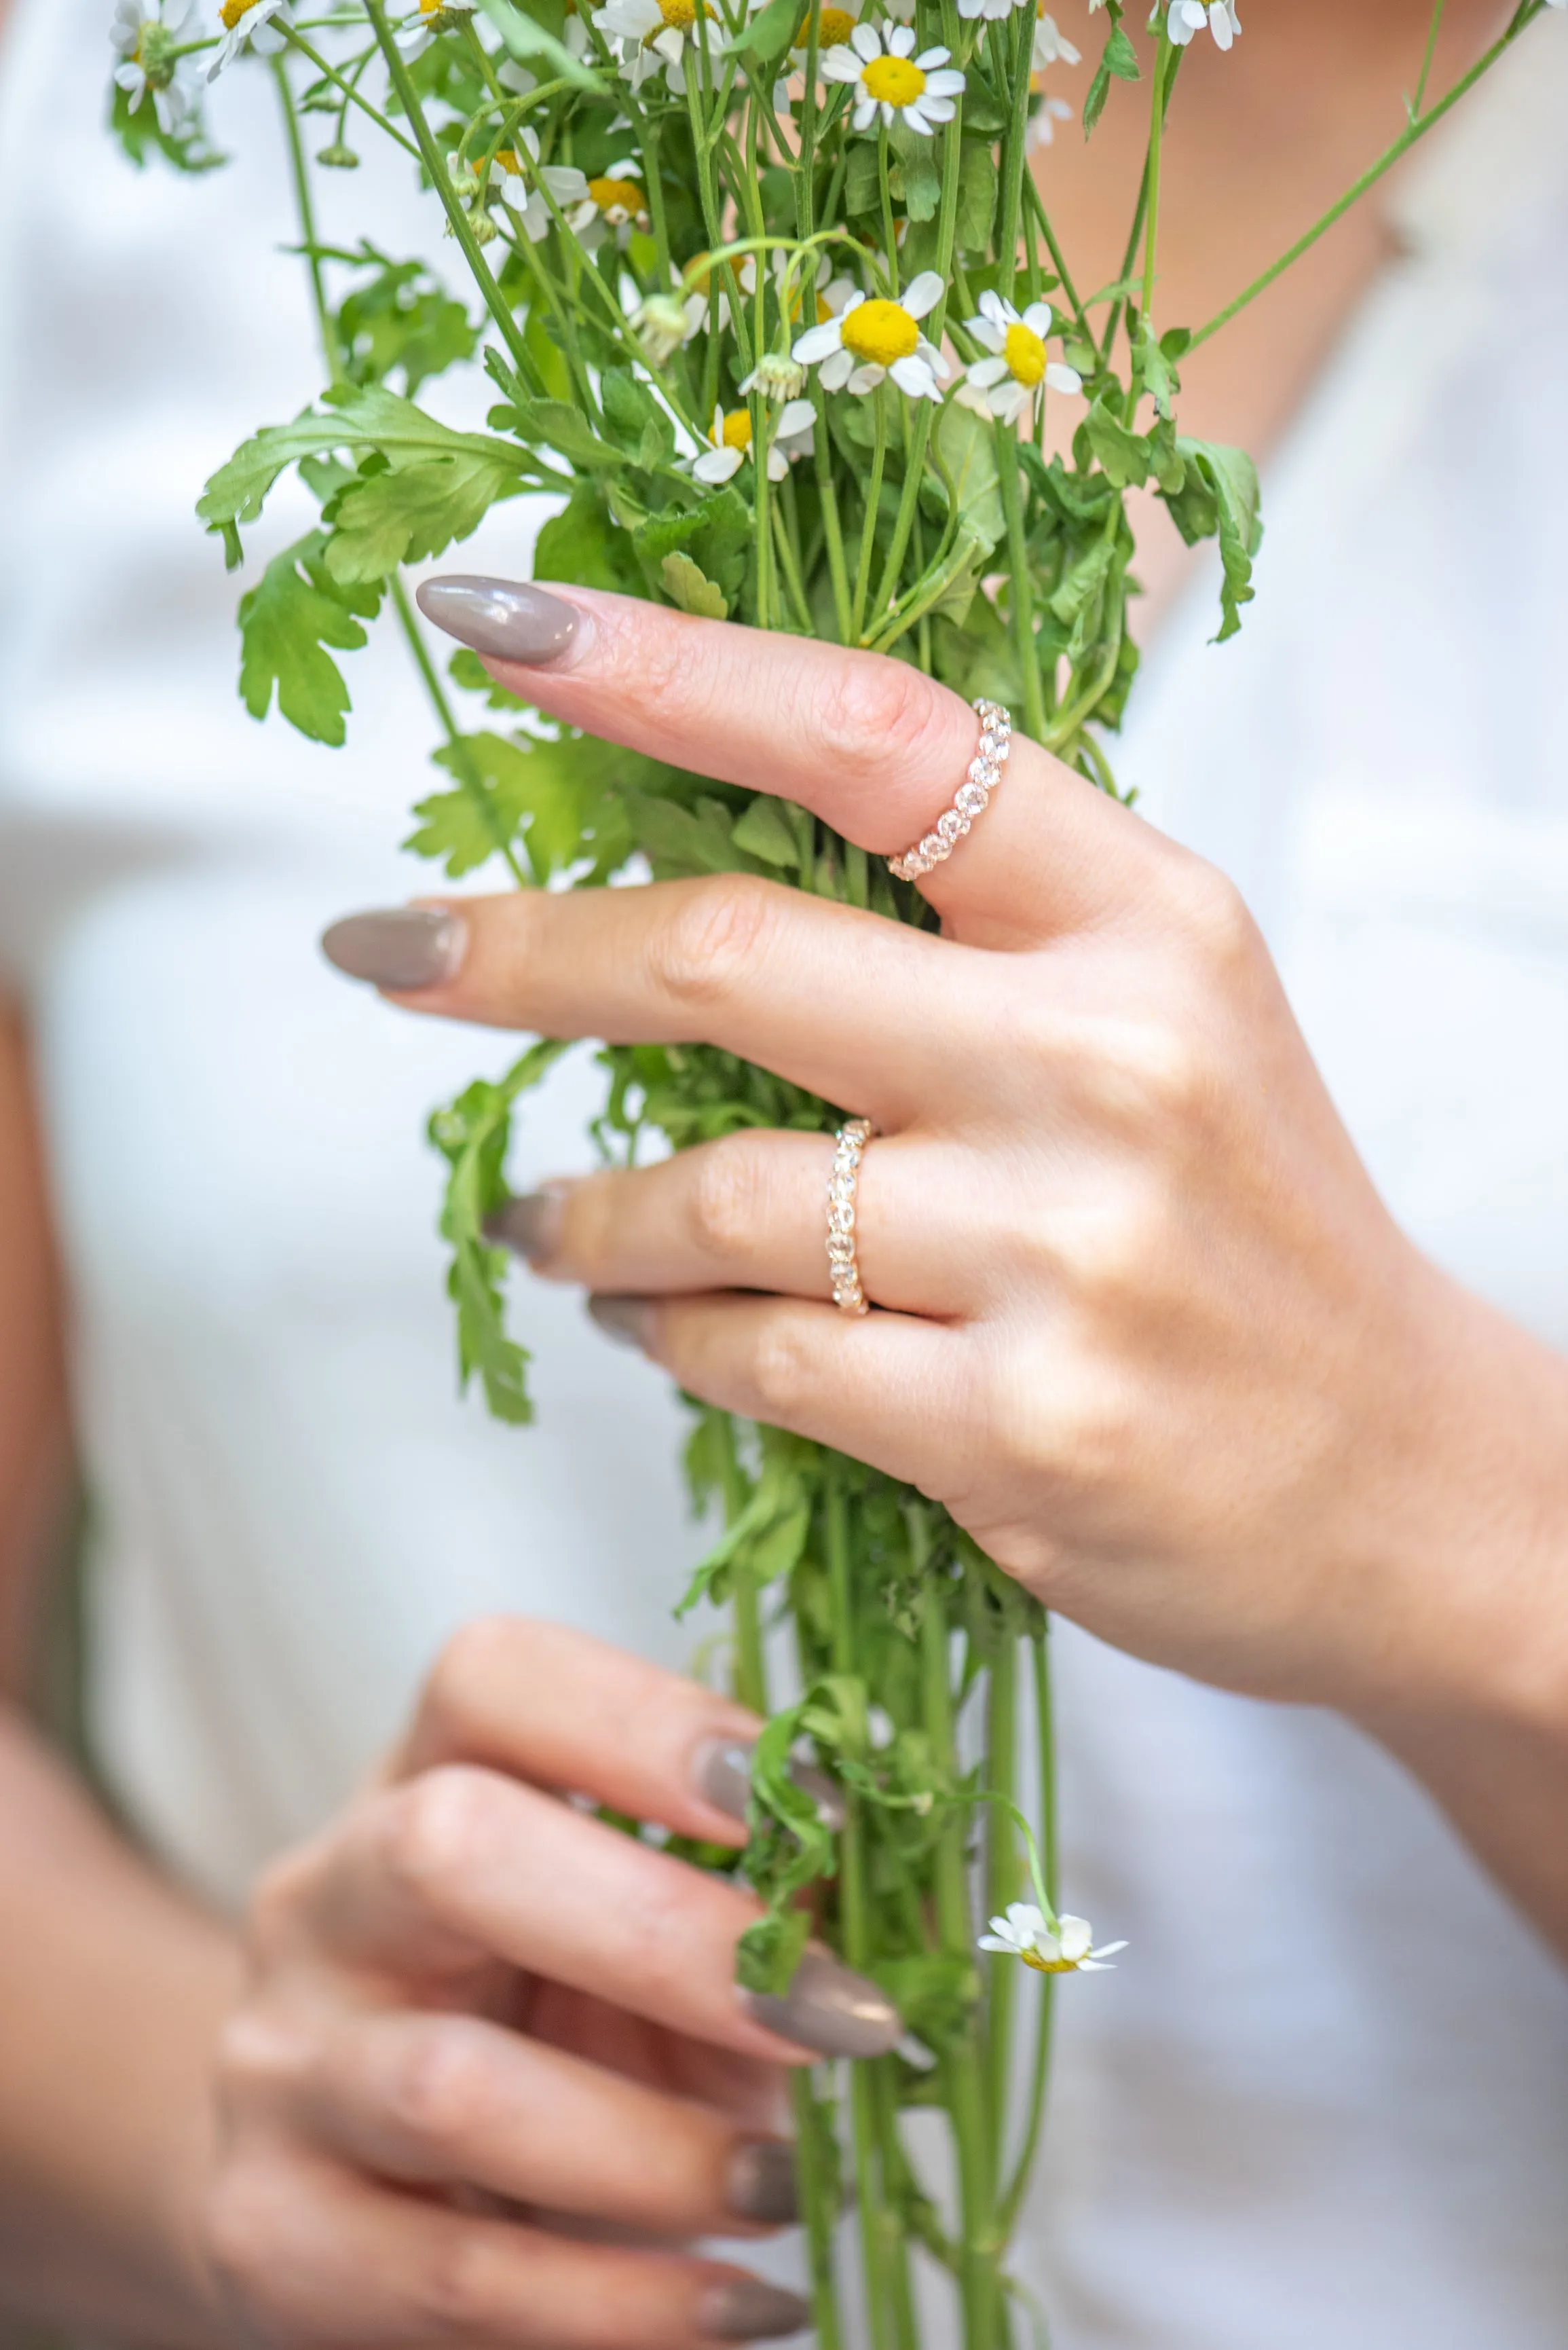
[(608, 193), (1025, 353), (879, 332), (736, 431), (895, 81), (507, 159), (833, 27), (681, 13), (231, 11), (1049, 1966)]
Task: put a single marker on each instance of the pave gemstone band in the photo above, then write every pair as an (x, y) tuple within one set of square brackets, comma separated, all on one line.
[(843, 1266), (969, 801)]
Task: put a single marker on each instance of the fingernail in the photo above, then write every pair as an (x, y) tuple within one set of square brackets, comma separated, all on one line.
[(531, 1225), (829, 2008), (761, 2182), (399, 947), (745, 2309), (724, 1777), (511, 619), (627, 1320)]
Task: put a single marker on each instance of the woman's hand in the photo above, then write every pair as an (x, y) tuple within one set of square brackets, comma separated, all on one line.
[(1146, 1327), (480, 2024)]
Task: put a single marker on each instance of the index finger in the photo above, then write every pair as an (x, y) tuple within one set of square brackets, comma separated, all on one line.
[(869, 743)]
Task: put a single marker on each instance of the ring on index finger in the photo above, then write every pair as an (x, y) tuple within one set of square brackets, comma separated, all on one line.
[(843, 1184)]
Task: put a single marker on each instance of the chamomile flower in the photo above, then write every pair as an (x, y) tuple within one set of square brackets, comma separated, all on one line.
[(664, 322), (891, 82), (1062, 1947), (434, 16), (869, 341), (251, 21), (825, 297), (1189, 16), (1016, 364), (776, 378), (833, 27), (1042, 126), (654, 33), (1051, 47), (991, 11), (523, 191), (731, 442), (611, 205), (146, 44)]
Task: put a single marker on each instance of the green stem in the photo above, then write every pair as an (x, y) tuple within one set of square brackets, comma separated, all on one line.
[(1001, 1880), (1427, 55), (873, 506), (1019, 29), (1040, 2069), (467, 773), (350, 94), (1020, 583), (1151, 170), (325, 323), (1372, 173)]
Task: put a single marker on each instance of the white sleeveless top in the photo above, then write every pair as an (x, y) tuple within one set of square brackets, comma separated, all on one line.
[(1340, 2115)]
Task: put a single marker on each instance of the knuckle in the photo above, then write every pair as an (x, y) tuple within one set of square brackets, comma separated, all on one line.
[(241, 2236), (1154, 1077), (454, 2290), (1213, 918), (880, 711), (467, 1666), (1110, 1251), (434, 2085), (712, 932), (435, 1829), (785, 1372), (727, 1202), (257, 2059)]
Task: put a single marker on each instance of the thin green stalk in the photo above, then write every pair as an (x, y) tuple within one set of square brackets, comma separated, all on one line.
[(407, 97), (889, 230), (1372, 173), (326, 325), (1019, 29), (873, 508), (467, 775), (831, 527), (1430, 52), (1058, 259), (1040, 2069), (1151, 170), (1021, 595), (1002, 1881), (350, 94)]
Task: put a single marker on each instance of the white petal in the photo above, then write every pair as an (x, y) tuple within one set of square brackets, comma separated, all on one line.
[(864, 378), (983, 373), (946, 84), (914, 117), (837, 370), (1076, 1936), (565, 184), (1037, 318), (901, 41), (865, 113), (717, 464), (866, 41), (839, 64), (930, 59), (795, 416), (923, 294), (885, 111), (1219, 25), (968, 9), (1061, 378), (1025, 1917), (816, 343), (993, 308), (778, 464), (994, 1942), (1108, 1949), (932, 356)]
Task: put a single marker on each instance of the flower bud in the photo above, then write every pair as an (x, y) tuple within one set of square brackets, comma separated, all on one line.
[(661, 323)]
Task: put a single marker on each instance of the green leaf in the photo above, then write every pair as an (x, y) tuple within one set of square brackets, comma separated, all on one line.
[(401, 319), (1157, 370), (1119, 58), (286, 620), (771, 31), (764, 832), (582, 545), (914, 176), (716, 533), (472, 1134), (525, 39), (1123, 455), (769, 1952), (1220, 497), (636, 419), (365, 417), (690, 588), (555, 793), (862, 184), (966, 444), (552, 425), (976, 197), (402, 512)]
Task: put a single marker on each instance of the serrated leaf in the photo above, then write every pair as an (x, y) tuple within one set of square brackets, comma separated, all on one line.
[(552, 425), (1123, 455), (690, 588), (582, 545), (286, 622), (764, 832), (716, 533)]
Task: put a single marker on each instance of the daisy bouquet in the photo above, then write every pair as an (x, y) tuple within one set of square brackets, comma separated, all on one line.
[(775, 322)]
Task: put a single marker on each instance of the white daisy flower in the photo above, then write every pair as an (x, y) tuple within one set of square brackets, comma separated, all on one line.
[(891, 82), (991, 11), (434, 16), (1017, 365), (731, 442), (251, 21), (611, 205), (869, 341), (1062, 1948), (146, 44), (523, 193), (654, 33), (1041, 127), (1189, 16), (1051, 47)]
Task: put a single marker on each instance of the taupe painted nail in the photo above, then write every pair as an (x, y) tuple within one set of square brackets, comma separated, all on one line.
[(745, 2309), (531, 1224), (624, 1319), (761, 2182), (724, 1777), (829, 2008), (510, 619), (401, 947)]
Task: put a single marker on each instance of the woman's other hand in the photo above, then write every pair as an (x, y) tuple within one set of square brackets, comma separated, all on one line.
[(1146, 1327), (481, 2024)]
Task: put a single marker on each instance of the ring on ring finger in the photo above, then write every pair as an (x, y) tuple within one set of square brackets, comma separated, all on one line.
[(843, 1185)]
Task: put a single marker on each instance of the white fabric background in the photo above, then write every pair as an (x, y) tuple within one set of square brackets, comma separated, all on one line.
[(1327, 2095)]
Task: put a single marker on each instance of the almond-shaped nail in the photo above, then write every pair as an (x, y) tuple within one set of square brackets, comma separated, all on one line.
[(745, 2309), (400, 947), (829, 2008), (724, 1776), (761, 2185), (627, 1320), (510, 619), (531, 1224)]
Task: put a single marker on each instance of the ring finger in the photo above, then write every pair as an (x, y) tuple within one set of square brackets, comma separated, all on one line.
[(749, 1213)]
